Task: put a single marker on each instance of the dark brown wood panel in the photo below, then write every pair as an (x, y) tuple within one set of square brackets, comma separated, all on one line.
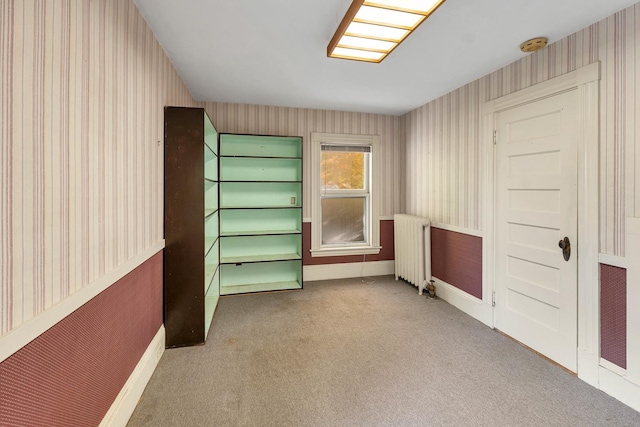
[(184, 226)]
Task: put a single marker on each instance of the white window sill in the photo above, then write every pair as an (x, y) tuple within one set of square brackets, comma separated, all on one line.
[(352, 250)]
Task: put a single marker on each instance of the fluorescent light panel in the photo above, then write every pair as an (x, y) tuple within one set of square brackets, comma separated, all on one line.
[(378, 32), (371, 29), (363, 55), (392, 18), (418, 6), (366, 44)]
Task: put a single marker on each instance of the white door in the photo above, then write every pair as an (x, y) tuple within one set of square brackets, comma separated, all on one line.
[(536, 196)]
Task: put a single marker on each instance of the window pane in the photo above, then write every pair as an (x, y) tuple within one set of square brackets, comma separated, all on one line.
[(343, 170), (343, 220)]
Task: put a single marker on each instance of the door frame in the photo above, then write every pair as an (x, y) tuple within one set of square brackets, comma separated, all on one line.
[(586, 81)]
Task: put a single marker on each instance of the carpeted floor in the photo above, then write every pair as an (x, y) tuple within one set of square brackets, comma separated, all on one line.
[(363, 352)]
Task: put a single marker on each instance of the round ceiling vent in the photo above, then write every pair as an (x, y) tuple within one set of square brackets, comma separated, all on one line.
[(534, 44)]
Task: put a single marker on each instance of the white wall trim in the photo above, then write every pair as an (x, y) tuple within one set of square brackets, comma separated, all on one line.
[(588, 368), (487, 218), (469, 304), (17, 338), (457, 229), (348, 270), (381, 218), (125, 403), (613, 367), (633, 296), (613, 260), (588, 212), (586, 81), (620, 387), (346, 251), (582, 76)]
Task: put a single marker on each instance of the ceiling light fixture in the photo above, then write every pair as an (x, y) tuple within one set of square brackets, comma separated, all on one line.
[(371, 29), (534, 44)]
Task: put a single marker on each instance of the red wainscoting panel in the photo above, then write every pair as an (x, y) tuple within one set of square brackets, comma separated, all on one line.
[(71, 374), (613, 314), (456, 258), (386, 253)]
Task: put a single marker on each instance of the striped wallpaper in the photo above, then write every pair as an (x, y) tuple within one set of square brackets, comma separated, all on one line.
[(83, 85), (443, 136), (257, 119)]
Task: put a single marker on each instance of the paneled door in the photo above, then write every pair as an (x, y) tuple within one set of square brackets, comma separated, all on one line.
[(536, 208)]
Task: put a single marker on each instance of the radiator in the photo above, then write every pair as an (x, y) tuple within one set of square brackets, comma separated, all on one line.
[(412, 241)]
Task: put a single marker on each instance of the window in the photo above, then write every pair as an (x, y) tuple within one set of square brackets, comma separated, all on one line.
[(344, 200), (344, 193)]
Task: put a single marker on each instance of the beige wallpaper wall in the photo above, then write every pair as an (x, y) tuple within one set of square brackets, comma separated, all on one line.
[(82, 88), (257, 119), (83, 85), (443, 140)]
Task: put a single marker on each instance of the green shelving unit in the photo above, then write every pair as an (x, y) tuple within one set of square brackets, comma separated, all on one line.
[(211, 227), (260, 213), (260, 195), (253, 222)]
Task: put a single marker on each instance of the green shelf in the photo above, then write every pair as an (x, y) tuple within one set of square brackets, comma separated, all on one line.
[(260, 287), (260, 146), (258, 169), (260, 277), (210, 135), (210, 304), (211, 195), (209, 272), (260, 221), (212, 279), (241, 259), (260, 194), (260, 248), (208, 243), (210, 164), (211, 231)]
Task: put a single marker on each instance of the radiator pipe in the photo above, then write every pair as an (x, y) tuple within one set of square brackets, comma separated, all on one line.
[(431, 288)]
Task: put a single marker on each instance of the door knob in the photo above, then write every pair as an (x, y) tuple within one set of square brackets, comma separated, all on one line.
[(565, 245)]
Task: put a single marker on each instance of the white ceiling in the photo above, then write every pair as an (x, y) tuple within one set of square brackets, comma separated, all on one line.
[(273, 52)]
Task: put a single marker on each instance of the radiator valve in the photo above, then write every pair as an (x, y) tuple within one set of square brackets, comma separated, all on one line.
[(431, 287)]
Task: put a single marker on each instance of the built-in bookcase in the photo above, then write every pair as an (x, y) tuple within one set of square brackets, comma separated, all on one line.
[(192, 251), (260, 213)]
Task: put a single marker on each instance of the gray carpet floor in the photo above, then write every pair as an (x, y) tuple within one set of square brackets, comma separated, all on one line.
[(363, 352)]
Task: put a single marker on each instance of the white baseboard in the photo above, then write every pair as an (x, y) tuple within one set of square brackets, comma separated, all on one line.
[(588, 367), (633, 296), (620, 387), (613, 367), (126, 401), (467, 303), (348, 270)]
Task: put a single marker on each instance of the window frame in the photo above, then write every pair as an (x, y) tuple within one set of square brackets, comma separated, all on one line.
[(372, 241)]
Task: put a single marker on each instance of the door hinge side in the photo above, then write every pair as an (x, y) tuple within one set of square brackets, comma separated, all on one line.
[(495, 137), (493, 299)]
